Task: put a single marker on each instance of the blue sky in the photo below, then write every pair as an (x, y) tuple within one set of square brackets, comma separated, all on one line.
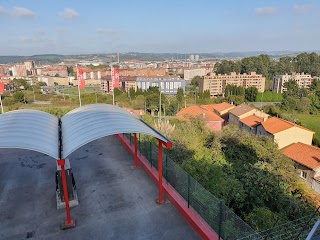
[(73, 27)]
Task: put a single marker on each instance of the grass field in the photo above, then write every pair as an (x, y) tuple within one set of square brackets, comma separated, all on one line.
[(311, 122), (74, 90)]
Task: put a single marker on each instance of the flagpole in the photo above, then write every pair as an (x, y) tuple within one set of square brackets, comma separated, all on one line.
[(2, 92), (1, 104), (78, 85), (112, 84)]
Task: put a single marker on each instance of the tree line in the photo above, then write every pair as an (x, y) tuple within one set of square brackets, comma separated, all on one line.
[(248, 173), (305, 62)]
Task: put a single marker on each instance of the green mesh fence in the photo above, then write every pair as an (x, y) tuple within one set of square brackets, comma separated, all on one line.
[(222, 220), (226, 223)]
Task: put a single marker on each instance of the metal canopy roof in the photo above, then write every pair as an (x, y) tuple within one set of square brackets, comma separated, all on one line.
[(90, 122), (39, 131), (30, 129)]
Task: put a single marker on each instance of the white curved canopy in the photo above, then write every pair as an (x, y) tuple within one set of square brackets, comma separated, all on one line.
[(90, 122), (39, 131), (30, 129)]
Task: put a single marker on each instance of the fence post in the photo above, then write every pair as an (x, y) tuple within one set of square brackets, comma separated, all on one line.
[(221, 219), (139, 145), (150, 152), (188, 190), (167, 168)]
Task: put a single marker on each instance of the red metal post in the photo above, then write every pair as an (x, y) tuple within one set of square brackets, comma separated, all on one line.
[(69, 223), (160, 199), (136, 163)]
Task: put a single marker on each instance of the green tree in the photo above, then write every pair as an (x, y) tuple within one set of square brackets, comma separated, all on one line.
[(237, 100), (18, 96), (132, 93), (18, 83), (180, 95), (262, 218), (195, 81), (152, 109), (204, 95), (138, 102), (251, 94)]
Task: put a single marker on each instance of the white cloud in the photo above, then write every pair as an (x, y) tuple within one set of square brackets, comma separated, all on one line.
[(266, 11), (22, 12), (69, 13), (108, 30), (2, 10), (302, 9)]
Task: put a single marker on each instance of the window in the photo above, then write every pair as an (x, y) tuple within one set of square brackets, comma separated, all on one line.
[(303, 174)]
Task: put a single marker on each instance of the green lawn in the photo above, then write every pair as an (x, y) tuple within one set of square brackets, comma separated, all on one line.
[(74, 90), (311, 122)]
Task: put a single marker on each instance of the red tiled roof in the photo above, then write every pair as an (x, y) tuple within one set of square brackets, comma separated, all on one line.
[(223, 106), (252, 120), (218, 107), (304, 154), (274, 125), (196, 111), (208, 107), (240, 110)]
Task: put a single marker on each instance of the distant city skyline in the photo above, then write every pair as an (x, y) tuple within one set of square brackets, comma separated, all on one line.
[(32, 27)]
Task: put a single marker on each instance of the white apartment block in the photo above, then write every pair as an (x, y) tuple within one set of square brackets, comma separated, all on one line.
[(191, 73), (303, 81), (216, 83)]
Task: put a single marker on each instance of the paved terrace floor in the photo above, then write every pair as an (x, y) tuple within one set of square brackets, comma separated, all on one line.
[(116, 201)]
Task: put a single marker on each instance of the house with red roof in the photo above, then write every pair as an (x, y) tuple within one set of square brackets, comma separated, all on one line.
[(243, 111), (213, 121), (221, 109), (284, 132), (307, 162), (250, 123)]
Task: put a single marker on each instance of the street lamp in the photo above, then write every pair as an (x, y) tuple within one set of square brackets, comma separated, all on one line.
[(34, 96)]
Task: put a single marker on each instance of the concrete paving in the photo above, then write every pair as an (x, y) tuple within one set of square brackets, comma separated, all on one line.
[(116, 201)]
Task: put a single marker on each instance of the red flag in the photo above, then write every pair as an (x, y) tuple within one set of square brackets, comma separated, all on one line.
[(1, 87), (81, 82), (115, 77)]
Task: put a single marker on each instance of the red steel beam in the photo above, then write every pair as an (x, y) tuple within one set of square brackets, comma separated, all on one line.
[(69, 223), (196, 221)]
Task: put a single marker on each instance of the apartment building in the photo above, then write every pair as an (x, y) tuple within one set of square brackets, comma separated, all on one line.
[(168, 85), (216, 83), (29, 65), (144, 72), (52, 71), (19, 70), (125, 82), (303, 80), (191, 73)]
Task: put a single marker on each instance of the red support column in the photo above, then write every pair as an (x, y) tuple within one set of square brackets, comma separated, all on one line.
[(160, 199), (136, 163), (69, 223)]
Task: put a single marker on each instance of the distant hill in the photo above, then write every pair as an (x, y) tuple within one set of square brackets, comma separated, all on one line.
[(57, 58)]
